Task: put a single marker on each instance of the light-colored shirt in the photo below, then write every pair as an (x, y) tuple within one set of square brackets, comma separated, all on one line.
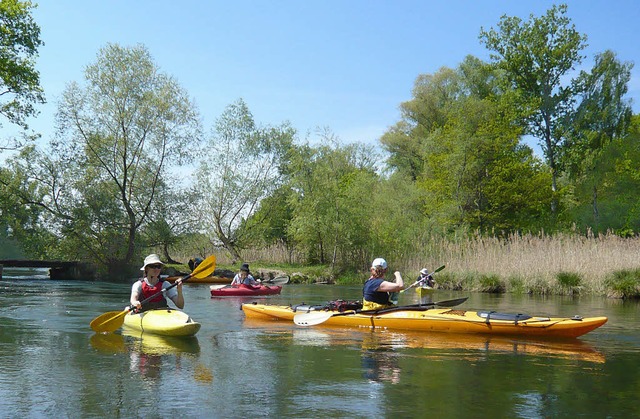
[(249, 280)]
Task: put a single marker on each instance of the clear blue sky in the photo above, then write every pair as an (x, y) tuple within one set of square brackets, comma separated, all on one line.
[(342, 64)]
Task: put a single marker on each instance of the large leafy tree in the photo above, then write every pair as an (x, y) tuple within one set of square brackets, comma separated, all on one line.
[(19, 80), (537, 56), (243, 166), (602, 116), (465, 152), (105, 173), (333, 204)]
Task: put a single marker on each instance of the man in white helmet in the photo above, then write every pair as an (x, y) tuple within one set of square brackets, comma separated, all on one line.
[(375, 294)]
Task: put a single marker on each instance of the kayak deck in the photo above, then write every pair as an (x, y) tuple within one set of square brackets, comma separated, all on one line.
[(164, 322), (442, 320)]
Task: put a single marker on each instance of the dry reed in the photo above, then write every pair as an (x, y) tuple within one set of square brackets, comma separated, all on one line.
[(533, 257), (534, 260)]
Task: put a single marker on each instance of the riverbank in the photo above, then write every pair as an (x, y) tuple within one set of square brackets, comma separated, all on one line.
[(561, 264)]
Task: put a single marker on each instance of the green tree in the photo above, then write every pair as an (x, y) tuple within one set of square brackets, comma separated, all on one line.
[(269, 224), (22, 235), (465, 152), (106, 171), (603, 115), (334, 186), (19, 80), (615, 167), (242, 168), (172, 219), (537, 56)]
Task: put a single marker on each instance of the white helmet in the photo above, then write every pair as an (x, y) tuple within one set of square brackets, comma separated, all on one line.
[(379, 262)]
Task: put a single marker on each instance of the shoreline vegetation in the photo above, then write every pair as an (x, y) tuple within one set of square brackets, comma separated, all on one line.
[(562, 264)]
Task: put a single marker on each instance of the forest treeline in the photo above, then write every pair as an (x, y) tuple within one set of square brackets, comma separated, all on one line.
[(130, 169)]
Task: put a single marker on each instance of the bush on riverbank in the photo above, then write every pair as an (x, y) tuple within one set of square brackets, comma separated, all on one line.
[(624, 284)]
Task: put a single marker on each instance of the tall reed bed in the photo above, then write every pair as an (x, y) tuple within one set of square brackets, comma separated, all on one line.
[(532, 263), (556, 264)]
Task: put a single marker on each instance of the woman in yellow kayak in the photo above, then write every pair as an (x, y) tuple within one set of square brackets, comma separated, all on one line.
[(375, 294), (152, 284)]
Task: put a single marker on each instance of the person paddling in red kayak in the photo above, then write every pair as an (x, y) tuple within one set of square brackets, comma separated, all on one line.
[(152, 284), (376, 290), (244, 277)]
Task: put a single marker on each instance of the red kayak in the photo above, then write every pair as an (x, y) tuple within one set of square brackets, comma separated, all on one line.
[(243, 290)]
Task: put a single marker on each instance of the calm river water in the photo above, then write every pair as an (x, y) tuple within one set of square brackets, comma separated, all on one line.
[(53, 365)]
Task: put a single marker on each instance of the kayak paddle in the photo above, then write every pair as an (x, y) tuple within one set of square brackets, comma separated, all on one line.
[(416, 283), (113, 320), (278, 280), (313, 318)]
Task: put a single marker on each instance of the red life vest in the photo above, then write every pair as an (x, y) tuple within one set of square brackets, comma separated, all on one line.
[(148, 291)]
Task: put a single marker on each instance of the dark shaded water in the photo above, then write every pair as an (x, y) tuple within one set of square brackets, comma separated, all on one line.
[(53, 365)]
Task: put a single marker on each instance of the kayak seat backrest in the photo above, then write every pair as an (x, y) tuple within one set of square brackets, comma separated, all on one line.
[(494, 315)]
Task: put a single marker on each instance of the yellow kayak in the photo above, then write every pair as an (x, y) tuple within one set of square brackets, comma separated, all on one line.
[(423, 291), (164, 322), (429, 319)]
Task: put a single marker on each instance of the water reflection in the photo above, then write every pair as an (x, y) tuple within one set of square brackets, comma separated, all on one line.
[(439, 344), (379, 363), (149, 354), (145, 343)]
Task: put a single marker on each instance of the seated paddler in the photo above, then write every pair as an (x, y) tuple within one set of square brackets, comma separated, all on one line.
[(376, 291), (151, 285)]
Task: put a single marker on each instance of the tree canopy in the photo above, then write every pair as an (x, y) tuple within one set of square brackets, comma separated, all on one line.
[(19, 80), (108, 187), (536, 55), (107, 169)]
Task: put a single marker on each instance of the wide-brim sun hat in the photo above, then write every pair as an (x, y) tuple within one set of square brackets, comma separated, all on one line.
[(152, 259), (424, 271), (245, 267), (379, 262)]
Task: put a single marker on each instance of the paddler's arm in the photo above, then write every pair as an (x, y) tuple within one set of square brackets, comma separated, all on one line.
[(397, 285), (135, 296), (178, 300)]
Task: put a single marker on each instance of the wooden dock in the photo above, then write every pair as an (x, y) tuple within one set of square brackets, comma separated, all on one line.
[(60, 270)]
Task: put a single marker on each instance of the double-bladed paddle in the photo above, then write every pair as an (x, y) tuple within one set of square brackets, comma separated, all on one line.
[(313, 318), (278, 280), (416, 283), (111, 321)]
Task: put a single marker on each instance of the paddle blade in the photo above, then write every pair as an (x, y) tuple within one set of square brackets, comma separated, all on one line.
[(278, 280), (312, 318), (108, 322), (205, 268), (450, 303)]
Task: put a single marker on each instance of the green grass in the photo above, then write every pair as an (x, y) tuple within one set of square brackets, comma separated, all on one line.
[(623, 284)]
